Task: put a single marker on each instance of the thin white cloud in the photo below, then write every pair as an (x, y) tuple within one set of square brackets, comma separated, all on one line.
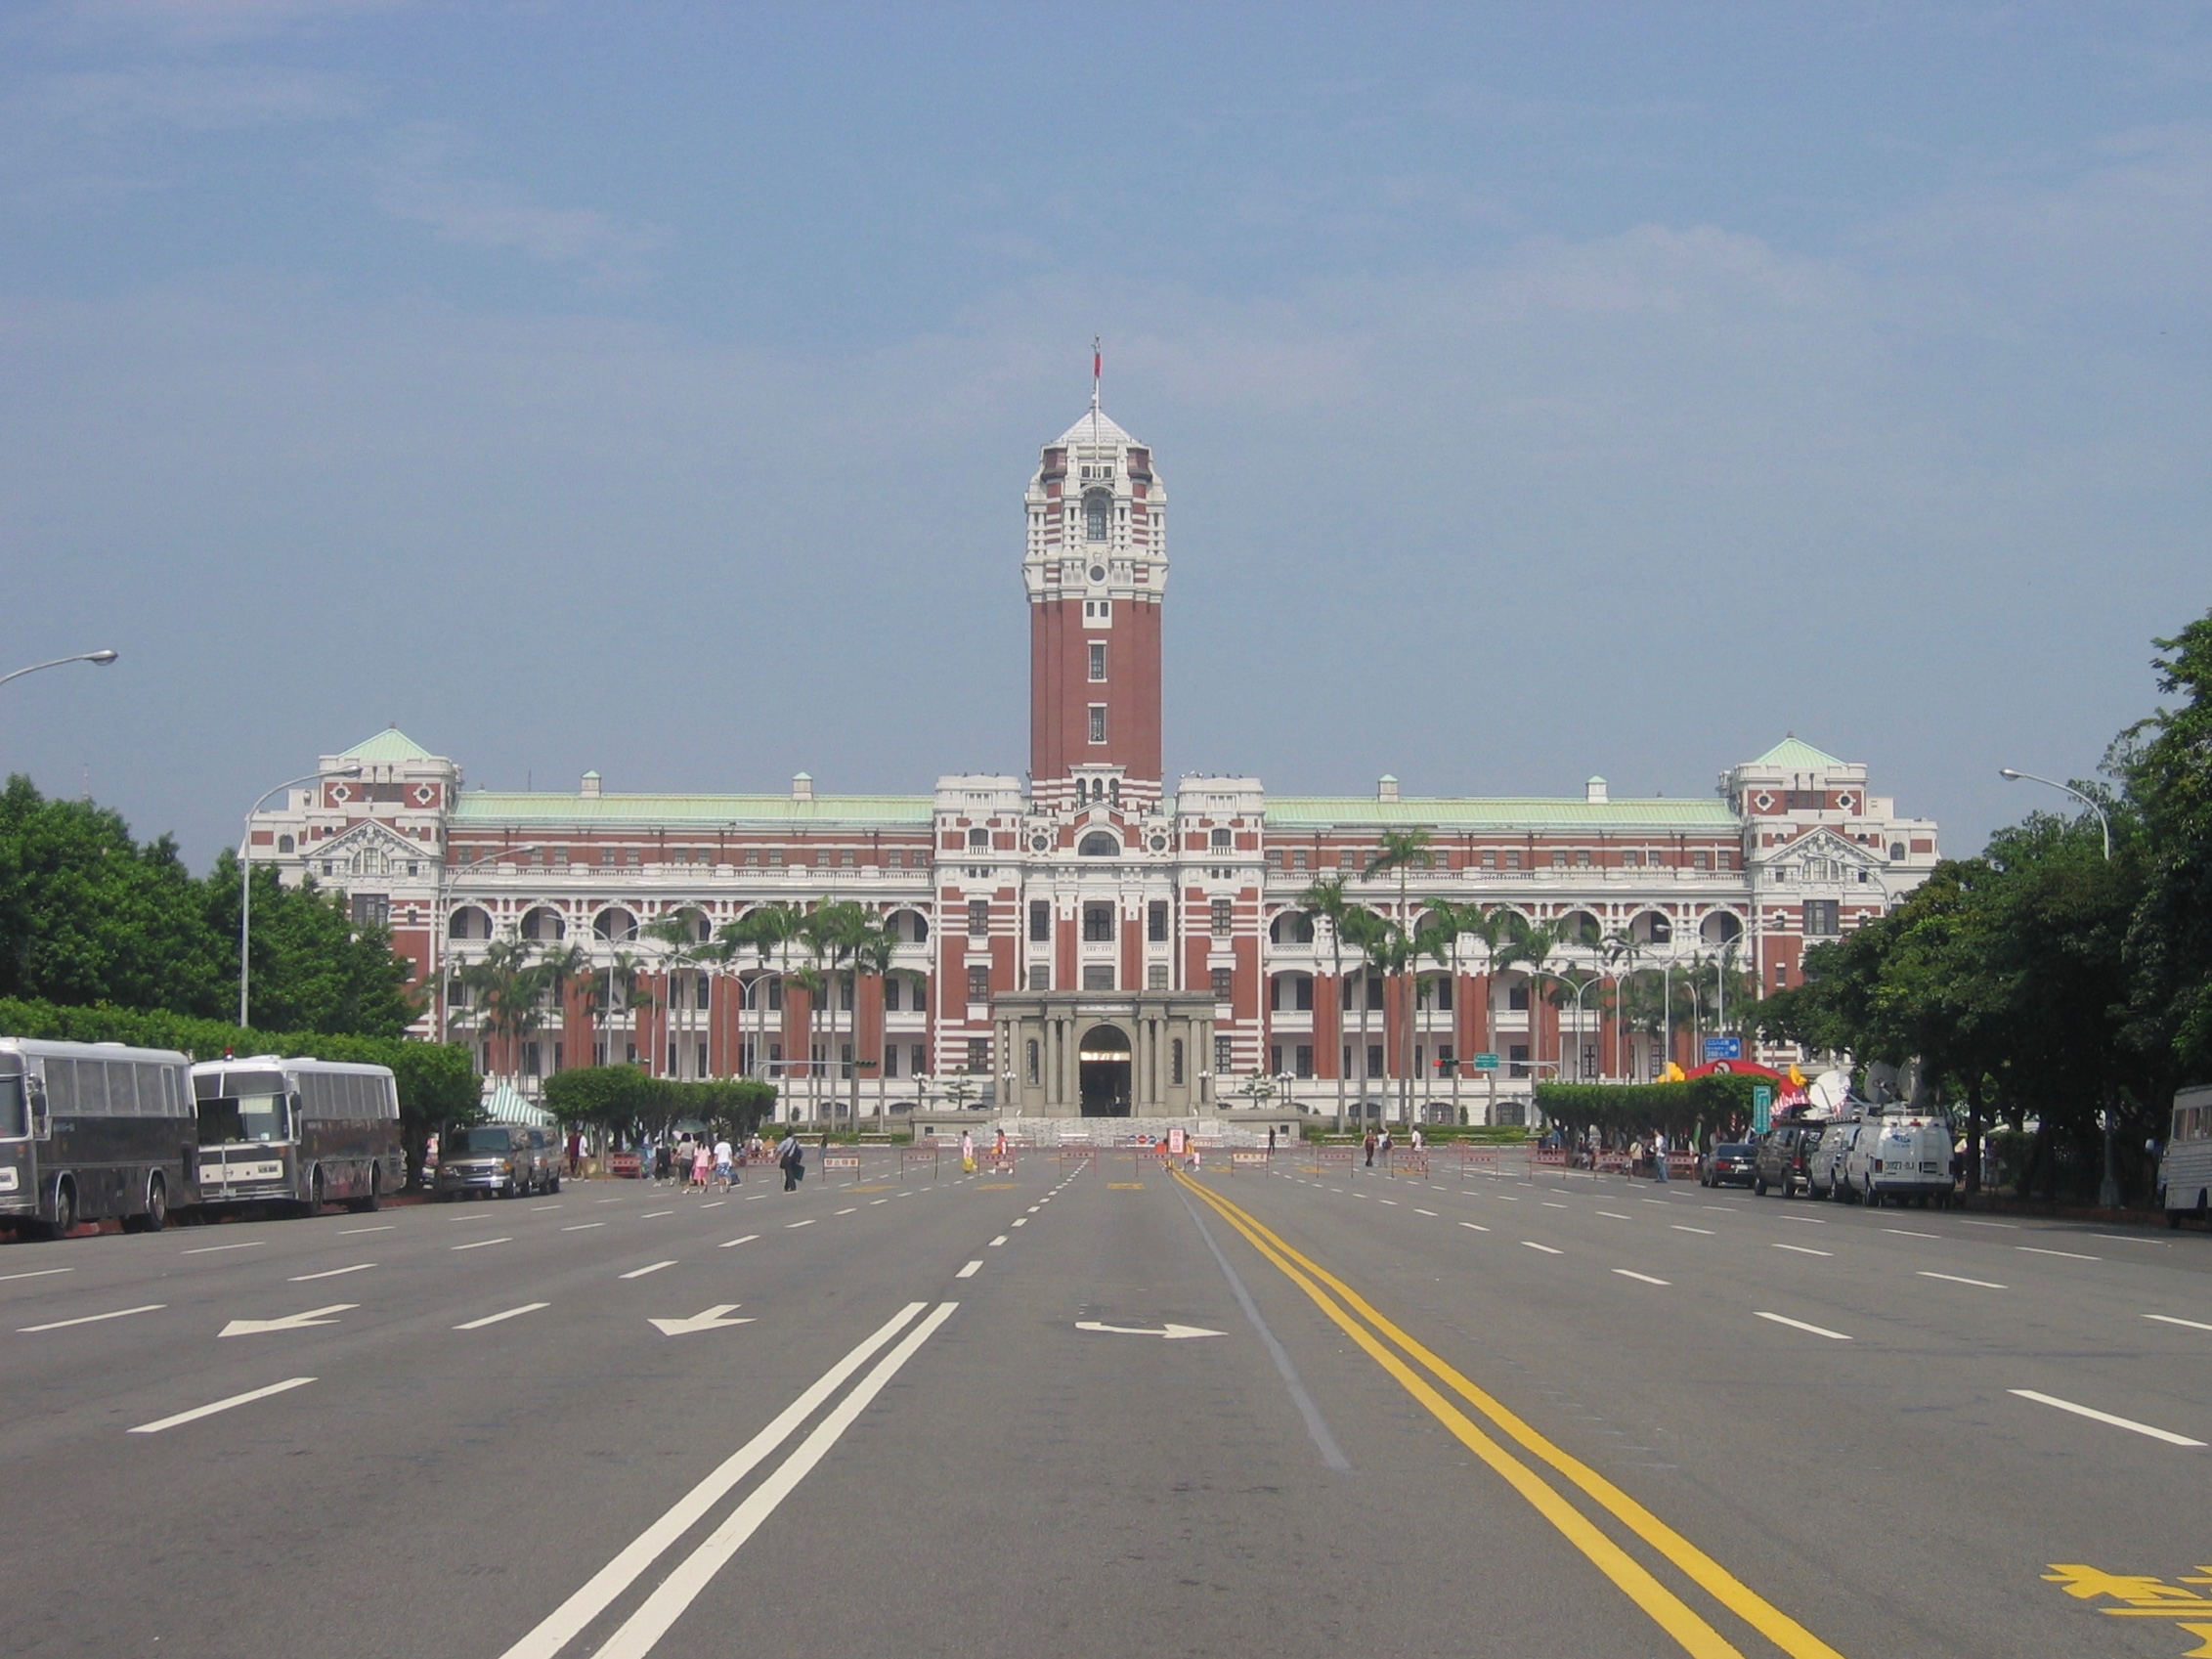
[(419, 182)]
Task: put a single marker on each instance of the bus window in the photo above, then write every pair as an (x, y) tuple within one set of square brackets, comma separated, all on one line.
[(230, 1118), (13, 1123)]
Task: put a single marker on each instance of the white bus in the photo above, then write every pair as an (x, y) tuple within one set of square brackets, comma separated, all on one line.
[(301, 1133), (2185, 1172), (93, 1130)]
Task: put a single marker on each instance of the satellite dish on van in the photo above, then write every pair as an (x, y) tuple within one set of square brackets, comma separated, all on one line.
[(1828, 1092)]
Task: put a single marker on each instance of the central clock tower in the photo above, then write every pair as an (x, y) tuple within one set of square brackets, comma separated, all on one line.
[(1096, 570)]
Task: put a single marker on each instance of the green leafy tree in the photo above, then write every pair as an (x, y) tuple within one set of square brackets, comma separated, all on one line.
[(1325, 901)]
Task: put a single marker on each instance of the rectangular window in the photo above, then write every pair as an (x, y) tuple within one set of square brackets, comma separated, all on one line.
[(978, 984), (704, 990), (1822, 919), (1517, 997), (849, 857), (1155, 976), (752, 858), (1631, 858), (1098, 923), (1275, 858), (1223, 979), (1040, 977), (1489, 858), (895, 859), (891, 1060), (775, 857), (1558, 858), (1582, 858), (1175, 1060), (530, 1059), (978, 1056), (1701, 858), (372, 909), (892, 995), (1155, 921), (702, 1059), (1097, 976), (1098, 722), (1517, 1059), (1224, 918), (1513, 859), (1040, 921), (917, 1063), (978, 918), (1224, 1059), (1305, 1060), (1098, 661), (1298, 859), (1374, 1060), (1031, 1064)]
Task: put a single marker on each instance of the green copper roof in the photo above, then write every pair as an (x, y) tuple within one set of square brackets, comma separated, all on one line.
[(386, 747), (1794, 754), (1478, 814), (479, 807)]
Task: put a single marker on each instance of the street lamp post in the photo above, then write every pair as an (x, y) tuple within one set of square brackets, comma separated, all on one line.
[(245, 862), (99, 659), (2009, 775), (2109, 1185)]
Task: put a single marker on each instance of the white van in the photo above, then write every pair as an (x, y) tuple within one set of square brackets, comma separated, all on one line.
[(2185, 1169), (1900, 1153)]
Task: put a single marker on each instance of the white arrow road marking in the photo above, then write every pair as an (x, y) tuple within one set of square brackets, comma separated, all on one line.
[(91, 1318), (290, 1321), (2165, 1434), (2169, 1319), (495, 1317), (208, 1411), (711, 1320), (1172, 1334)]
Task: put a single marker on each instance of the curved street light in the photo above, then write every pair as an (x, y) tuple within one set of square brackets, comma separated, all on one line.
[(99, 659), (2011, 775)]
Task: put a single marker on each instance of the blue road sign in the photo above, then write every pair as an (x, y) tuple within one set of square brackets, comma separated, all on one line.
[(1724, 1048)]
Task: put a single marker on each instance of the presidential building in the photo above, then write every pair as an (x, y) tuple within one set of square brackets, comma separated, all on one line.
[(1090, 938)]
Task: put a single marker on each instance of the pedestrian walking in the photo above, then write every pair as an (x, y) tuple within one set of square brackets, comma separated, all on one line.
[(1271, 1137), (1369, 1143), (702, 1164), (1659, 1158), (1418, 1143), (723, 1164), (793, 1158), (966, 1153)]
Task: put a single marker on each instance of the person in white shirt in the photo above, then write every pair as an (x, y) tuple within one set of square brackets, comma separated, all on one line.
[(723, 1168)]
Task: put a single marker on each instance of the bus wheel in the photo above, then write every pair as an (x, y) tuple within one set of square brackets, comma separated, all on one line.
[(65, 1207), (157, 1214), (314, 1205)]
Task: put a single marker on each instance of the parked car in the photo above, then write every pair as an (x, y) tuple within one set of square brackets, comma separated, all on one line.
[(1899, 1156), (1731, 1163), (510, 1160), (1785, 1158), (1826, 1158)]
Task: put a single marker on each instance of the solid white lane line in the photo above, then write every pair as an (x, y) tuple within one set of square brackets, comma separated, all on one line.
[(732, 1244), (641, 1272), (643, 1629), (582, 1226), (566, 1621), (995, 1242), (1631, 1273), (40, 1273), (1908, 1233), (808, 1222), (1803, 1250), (1955, 1278), (967, 1272), (1472, 1228), (331, 1272), (91, 1319), (210, 1249), (381, 1227), (2094, 1416), (483, 1244), (2169, 1319), (2070, 1255), (1801, 1325), (495, 1317), (208, 1411), (1545, 1248)]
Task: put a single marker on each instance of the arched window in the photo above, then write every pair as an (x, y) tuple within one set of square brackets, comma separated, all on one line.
[(1098, 509), (616, 925), (543, 925), (1097, 845), (1293, 927), (284, 844), (469, 922)]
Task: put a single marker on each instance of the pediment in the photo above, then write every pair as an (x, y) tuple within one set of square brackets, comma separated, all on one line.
[(370, 848)]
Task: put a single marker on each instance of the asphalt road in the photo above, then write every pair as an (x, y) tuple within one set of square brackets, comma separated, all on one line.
[(1410, 1416)]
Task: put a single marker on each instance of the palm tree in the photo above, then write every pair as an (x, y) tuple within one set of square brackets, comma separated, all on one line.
[(810, 980), (1325, 901), (1620, 948), (1535, 944), (1402, 850), (558, 971), (678, 937), (833, 931), (1364, 930), (765, 929), (1438, 937), (503, 990), (1393, 950), (872, 952)]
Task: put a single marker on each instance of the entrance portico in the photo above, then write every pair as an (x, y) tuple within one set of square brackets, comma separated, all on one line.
[(1091, 1054)]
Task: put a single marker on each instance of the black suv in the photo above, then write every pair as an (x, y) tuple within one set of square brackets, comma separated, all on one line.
[(1785, 1158), (1729, 1164)]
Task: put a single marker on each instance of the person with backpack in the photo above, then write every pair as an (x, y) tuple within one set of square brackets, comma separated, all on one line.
[(793, 1157)]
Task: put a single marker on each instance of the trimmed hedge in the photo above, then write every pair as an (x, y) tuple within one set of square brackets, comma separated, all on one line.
[(623, 1100), (1619, 1110)]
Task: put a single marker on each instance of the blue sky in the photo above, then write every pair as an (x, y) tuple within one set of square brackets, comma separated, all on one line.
[(1541, 390)]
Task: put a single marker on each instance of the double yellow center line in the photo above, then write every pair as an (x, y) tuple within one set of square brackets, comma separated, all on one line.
[(1392, 1349)]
